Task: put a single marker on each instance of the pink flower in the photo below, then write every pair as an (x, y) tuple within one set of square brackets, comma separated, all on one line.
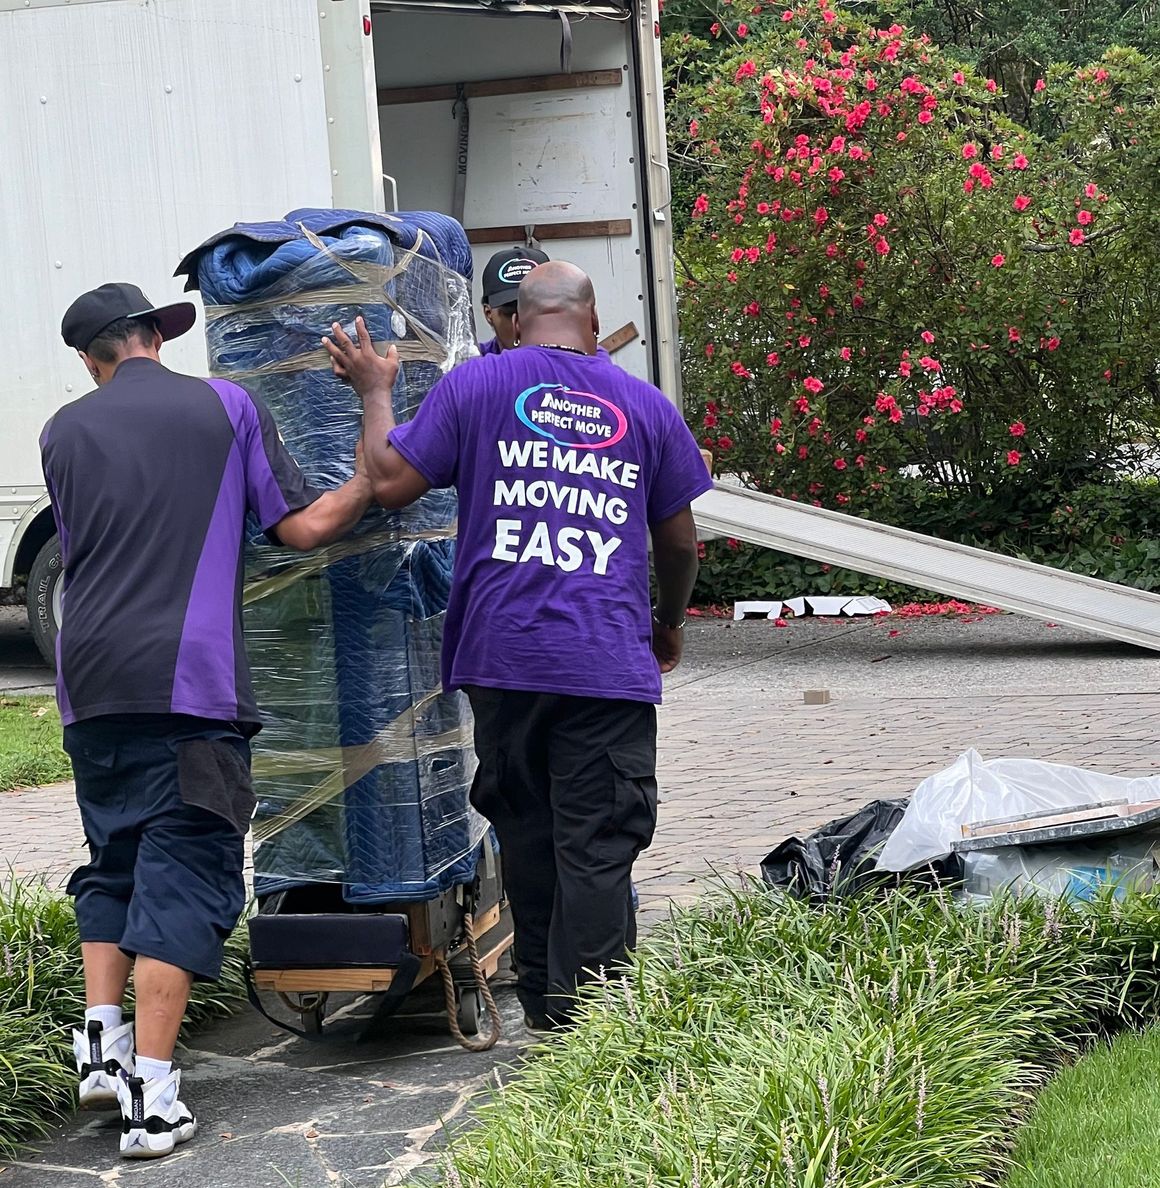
[(929, 364), (1013, 335), (701, 206), (1084, 217), (821, 215), (904, 370), (882, 247), (694, 127), (763, 208), (992, 86), (804, 341), (779, 448), (1019, 162), (880, 220), (960, 78), (1014, 457), (773, 358), (780, 623), (747, 69), (839, 463), (812, 384), (1091, 190), (998, 260), (801, 405), (845, 353), (724, 443), (787, 15), (740, 370), (927, 337), (1076, 238), (925, 117), (742, 30), (1040, 85), (1052, 344), (803, 453), (715, 29), (1017, 429), (710, 420), (970, 152), (1021, 203), (860, 435)]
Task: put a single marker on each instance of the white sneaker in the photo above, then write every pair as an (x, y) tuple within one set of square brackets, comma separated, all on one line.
[(154, 1120), (103, 1058)]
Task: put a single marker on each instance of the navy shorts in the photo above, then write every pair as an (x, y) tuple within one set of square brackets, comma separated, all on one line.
[(165, 801)]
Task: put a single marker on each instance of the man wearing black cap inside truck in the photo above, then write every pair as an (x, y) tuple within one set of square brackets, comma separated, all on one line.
[(501, 289), (151, 477)]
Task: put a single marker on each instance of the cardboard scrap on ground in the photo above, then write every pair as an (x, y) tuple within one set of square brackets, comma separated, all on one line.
[(825, 607)]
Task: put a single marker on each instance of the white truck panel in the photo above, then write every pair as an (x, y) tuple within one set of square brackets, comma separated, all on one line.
[(129, 132)]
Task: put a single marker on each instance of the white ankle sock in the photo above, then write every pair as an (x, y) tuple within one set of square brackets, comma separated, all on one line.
[(153, 1070), (108, 1016)]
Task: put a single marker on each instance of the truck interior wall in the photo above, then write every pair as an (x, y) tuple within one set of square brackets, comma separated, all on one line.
[(554, 157)]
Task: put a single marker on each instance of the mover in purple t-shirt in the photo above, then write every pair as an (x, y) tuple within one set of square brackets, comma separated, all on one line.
[(151, 477), (564, 466)]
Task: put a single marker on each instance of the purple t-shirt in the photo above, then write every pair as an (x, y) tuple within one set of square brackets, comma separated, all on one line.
[(561, 462), (151, 477)]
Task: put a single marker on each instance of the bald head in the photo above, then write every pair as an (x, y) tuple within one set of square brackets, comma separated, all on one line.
[(557, 305)]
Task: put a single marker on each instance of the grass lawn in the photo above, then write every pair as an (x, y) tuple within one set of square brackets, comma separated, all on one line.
[(1097, 1125), (30, 751)]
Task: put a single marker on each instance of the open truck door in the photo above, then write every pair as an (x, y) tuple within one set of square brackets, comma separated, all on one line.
[(539, 124)]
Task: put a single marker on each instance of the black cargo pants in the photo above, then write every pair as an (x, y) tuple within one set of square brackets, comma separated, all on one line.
[(569, 783)]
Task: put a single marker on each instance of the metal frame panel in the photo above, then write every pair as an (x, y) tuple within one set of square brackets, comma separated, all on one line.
[(916, 560)]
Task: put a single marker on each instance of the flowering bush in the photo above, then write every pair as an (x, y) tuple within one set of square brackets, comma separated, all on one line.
[(884, 275)]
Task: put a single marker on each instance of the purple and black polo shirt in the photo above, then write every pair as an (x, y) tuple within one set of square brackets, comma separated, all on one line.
[(151, 477)]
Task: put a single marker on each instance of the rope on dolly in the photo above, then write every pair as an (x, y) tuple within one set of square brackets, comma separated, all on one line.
[(478, 1043)]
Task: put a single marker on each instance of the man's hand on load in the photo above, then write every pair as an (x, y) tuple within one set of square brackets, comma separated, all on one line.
[(357, 362)]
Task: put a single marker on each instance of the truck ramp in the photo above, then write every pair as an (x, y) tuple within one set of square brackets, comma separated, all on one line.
[(912, 559)]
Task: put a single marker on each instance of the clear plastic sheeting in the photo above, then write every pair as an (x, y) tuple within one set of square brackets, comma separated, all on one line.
[(1076, 872), (973, 790), (363, 768)]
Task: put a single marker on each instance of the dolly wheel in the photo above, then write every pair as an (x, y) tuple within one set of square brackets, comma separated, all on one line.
[(470, 1009), (312, 1010)]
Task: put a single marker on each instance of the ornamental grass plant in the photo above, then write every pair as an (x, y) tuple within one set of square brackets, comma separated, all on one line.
[(757, 1042)]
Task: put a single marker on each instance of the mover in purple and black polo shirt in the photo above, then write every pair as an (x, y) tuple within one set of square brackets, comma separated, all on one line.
[(151, 477), (564, 466)]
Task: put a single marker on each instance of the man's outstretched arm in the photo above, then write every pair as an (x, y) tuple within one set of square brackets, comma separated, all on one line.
[(394, 481)]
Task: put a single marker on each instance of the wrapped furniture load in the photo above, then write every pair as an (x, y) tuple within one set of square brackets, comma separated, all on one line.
[(364, 765)]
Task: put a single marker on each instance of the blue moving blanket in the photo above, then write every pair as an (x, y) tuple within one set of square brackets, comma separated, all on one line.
[(364, 766)]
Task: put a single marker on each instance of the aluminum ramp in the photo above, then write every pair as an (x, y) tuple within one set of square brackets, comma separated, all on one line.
[(931, 564)]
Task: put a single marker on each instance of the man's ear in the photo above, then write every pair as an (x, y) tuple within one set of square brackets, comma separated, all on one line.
[(595, 323), (158, 342), (90, 367), (487, 315), (516, 327)]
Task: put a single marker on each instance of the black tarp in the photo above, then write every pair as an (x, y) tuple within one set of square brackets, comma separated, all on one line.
[(838, 859)]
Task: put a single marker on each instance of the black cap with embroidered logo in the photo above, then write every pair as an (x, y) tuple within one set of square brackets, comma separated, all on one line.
[(505, 270), (98, 309)]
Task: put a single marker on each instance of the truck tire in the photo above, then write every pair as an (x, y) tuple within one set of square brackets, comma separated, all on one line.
[(44, 599)]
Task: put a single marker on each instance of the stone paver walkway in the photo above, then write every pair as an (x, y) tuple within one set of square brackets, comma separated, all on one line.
[(740, 771)]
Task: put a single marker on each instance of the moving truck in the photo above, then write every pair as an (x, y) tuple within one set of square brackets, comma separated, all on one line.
[(132, 130)]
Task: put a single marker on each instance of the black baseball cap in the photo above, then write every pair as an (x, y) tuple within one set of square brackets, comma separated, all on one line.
[(92, 312), (505, 270)]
